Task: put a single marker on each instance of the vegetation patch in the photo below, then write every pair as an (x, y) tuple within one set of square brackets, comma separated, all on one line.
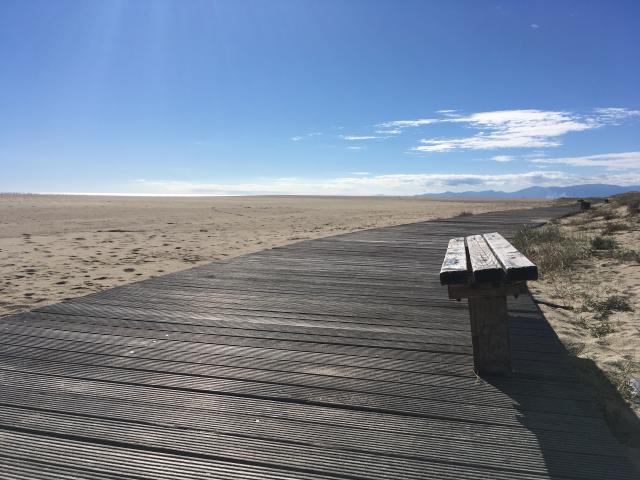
[(611, 227), (550, 248), (603, 243), (604, 307), (597, 328)]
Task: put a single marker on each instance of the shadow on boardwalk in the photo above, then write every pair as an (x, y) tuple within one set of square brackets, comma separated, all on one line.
[(564, 458)]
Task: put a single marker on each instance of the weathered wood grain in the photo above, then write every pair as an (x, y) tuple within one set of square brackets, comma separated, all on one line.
[(484, 265), (515, 264), (454, 266)]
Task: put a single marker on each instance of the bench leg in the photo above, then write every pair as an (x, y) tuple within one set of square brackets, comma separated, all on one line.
[(490, 334)]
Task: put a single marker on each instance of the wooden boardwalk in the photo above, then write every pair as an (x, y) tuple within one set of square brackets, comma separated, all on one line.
[(333, 358)]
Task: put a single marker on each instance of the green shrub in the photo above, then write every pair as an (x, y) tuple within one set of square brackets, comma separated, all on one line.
[(603, 243)]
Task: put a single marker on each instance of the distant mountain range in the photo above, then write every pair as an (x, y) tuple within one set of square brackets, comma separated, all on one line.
[(572, 191)]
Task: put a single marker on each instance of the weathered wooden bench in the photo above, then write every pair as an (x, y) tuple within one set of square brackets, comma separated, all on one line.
[(485, 269)]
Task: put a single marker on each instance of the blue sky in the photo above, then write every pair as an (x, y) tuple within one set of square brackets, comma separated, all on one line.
[(317, 97)]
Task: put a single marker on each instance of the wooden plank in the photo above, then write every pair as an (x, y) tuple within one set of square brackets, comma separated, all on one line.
[(515, 264), (133, 463), (137, 463), (352, 429), (454, 266), (380, 463), (485, 267)]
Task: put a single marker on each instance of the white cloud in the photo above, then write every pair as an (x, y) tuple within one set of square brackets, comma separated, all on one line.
[(354, 147), (502, 158), (395, 124), (359, 137), (395, 131), (611, 161), (534, 26), (308, 135), (361, 183), (521, 128), (615, 114)]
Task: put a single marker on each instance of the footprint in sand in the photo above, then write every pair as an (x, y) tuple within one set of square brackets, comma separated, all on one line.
[(128, 270)]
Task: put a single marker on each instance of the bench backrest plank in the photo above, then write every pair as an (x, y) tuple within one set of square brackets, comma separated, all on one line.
[(515, 264), (485, 267), (454, 266)]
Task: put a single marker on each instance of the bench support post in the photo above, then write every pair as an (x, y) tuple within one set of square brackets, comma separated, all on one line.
[(490, 335)]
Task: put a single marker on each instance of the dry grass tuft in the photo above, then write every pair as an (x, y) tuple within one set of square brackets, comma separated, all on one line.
[(550, 248), (604, 307), (611, 227)]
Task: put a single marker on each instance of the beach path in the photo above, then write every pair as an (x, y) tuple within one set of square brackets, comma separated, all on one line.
[(335, 358)]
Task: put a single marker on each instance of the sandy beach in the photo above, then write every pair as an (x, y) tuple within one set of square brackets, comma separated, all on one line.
[(54, 247)]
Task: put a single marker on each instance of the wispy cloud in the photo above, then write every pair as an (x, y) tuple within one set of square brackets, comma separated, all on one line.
[(355, 147), (521, 129), (616, 114), (611, 161), (396, 124), (308, 135), (359, 137), (502, 158), (494, 130)]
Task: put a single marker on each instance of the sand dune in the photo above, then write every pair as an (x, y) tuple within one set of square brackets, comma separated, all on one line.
[(54, 247)]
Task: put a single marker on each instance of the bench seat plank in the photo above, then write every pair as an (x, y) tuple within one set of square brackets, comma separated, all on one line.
[(454, 266), (485, 267), (515, 264)]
